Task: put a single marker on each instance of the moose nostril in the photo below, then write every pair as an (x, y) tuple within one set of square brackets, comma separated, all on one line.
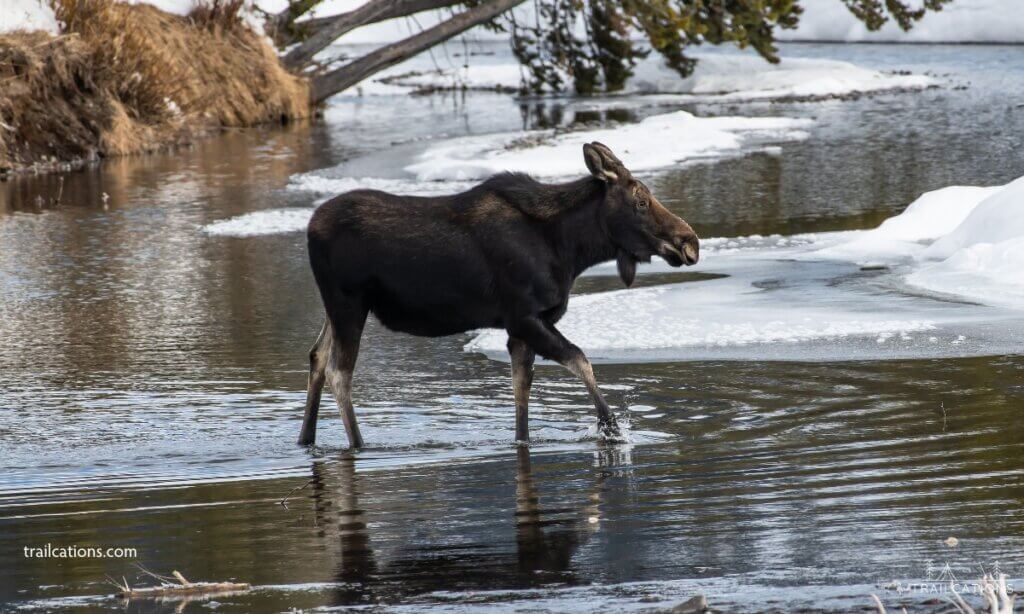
[(690, 247)]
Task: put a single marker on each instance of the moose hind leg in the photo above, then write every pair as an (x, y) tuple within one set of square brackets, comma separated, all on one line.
[(547, 341), (522, 356), (319, 355), (348, 328)]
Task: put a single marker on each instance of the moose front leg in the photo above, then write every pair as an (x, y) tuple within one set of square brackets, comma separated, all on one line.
[(522, 356), (545, 339)]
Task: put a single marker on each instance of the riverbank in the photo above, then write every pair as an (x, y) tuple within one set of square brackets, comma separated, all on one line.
[(126, 79)]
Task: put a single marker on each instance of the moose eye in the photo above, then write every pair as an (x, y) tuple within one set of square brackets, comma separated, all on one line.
[(641, 204)]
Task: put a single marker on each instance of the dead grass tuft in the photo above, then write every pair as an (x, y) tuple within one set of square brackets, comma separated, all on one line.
[(123, 79), (217, 14)]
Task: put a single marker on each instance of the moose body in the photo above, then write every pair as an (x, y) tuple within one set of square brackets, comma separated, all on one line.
[(502, 255)]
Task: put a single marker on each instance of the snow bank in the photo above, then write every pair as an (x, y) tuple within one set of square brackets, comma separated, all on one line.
[(929, 217), (983, 257), (656, 142), (963, 21), (963, 241), (27, 15), (718, 76), (749, 77)]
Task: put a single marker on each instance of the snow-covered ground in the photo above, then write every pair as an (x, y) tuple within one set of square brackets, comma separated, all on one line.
[(718, 77)]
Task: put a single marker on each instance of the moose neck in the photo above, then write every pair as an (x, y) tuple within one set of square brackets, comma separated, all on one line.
[(583, 230)]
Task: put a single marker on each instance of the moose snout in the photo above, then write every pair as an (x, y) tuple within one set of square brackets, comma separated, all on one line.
[(689, 245), (680, 249)]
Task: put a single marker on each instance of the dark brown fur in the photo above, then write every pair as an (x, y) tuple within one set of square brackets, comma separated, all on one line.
[(501, 255)]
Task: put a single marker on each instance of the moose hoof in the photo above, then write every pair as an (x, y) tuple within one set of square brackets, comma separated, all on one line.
[(609, 430)]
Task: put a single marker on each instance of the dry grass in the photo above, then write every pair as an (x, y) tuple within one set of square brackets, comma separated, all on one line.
[(217, 14), (124, 79)]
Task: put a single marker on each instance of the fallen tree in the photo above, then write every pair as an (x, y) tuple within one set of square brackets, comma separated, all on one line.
[(329, 83), (593, 44)]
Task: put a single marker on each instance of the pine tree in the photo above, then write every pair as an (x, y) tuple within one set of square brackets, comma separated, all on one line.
[(601, 55)]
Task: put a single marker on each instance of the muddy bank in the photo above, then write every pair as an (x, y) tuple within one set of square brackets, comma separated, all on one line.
[(126, 79)]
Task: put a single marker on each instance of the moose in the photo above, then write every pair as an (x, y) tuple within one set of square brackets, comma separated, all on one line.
[(503, 254)]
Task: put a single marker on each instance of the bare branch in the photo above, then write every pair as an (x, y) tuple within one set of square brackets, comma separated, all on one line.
[(326, 85)]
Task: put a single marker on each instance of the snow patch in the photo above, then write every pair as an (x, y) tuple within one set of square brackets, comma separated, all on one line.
[(929, 217), (313, 182), (733, 77), (272, 221), (27, 15), (659, 141), (981, 259)]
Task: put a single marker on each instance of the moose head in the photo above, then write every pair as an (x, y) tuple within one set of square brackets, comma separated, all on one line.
[(639, 225)]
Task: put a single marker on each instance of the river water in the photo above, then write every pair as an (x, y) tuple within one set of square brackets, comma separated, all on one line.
[(152, 378)]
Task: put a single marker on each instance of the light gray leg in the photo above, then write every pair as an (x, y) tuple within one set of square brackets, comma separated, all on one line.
[(580, 366), (319, 355), (547, 341), (522, 378), (339, 377)]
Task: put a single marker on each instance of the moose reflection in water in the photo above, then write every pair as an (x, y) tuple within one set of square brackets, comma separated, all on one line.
[(501, 255), (547, 536)]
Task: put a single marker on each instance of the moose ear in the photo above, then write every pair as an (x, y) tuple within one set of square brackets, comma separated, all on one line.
[(600, 167)]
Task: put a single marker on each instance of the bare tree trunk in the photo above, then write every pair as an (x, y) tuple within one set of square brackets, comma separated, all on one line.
[(400, 8), (346, 22), (326, 85)]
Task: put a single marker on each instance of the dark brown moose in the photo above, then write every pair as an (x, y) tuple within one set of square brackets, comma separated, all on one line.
[(501, 255)]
